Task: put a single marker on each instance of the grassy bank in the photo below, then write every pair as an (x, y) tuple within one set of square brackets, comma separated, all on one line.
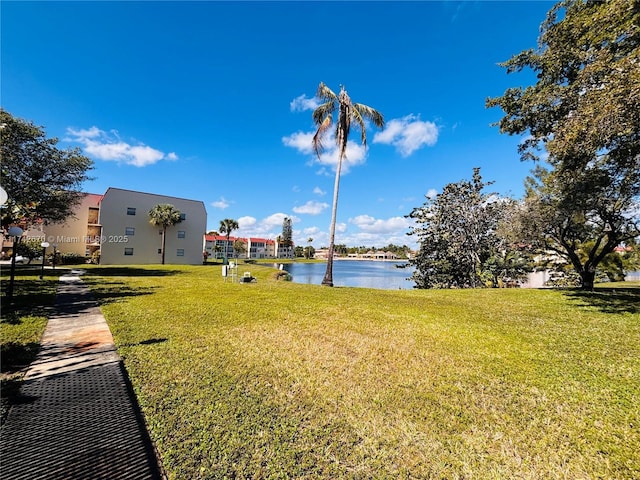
[(282, 380)]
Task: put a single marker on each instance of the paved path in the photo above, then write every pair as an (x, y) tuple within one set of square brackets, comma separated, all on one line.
[(78, 418)]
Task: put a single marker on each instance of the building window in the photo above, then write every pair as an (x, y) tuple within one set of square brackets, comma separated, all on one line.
[(180, 252), (129, 231), (128, 251), (131, 211), (159, 251), (181, 234), (183, 216)]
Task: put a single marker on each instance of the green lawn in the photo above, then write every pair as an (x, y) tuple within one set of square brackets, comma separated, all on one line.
[(282, 380)]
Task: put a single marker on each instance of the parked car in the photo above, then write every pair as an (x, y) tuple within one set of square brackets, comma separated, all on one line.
[(21, 259)]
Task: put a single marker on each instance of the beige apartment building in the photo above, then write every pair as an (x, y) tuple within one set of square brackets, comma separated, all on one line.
[(80, 234), (115, 228), (129, 238)]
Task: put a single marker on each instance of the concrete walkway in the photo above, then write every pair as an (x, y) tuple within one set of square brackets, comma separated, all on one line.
[(78, 418)]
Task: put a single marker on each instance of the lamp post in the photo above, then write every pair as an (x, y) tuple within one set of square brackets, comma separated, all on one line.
[(44, 246), (16, 233), (53, 262)]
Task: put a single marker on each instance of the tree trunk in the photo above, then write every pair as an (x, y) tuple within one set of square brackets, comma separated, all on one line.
[(588, 279), (164, 232), (327, 281)]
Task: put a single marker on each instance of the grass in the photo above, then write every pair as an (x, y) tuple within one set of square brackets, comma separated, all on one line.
[(22, 322), (281, 380)]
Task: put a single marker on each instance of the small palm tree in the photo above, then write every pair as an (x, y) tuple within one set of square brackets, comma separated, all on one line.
[(308, 250), (323, 117), (164, 215), (227, 226)]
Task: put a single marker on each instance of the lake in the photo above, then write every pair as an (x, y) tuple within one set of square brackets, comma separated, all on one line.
[(355, 273)]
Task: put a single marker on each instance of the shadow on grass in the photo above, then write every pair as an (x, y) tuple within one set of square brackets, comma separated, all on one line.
[(30, 297), (105, 293), (150, 341), (609, 299), (17, 355), (130, 272)]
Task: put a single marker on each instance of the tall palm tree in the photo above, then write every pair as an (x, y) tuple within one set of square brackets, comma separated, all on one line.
[(227, 226), (323, 117), (164, 215)]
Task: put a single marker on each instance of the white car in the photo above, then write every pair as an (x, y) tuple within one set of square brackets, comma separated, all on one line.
[(21, 259)]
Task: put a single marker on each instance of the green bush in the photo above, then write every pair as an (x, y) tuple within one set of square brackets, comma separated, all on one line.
[(70, 259)]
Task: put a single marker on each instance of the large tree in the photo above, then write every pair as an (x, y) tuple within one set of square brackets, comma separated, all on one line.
[(164, 215), (583, 116), (459, 245), (579, 218), (323, 117), (42, 182), (227, 226)]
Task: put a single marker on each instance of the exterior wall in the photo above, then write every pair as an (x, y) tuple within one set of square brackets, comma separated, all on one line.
[(129, 238), (219, 241), (79, 234)]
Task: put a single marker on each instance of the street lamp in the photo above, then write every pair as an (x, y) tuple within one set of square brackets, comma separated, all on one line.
[(53, 262), (16, 233), (44, 246)]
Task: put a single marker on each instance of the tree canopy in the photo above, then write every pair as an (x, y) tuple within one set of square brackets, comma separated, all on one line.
[(42, 182), (586, 102)]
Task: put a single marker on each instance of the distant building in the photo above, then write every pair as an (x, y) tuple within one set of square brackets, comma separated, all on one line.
[(217, 247)]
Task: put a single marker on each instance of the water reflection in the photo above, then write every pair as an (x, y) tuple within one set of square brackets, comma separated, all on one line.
[(355, 273)]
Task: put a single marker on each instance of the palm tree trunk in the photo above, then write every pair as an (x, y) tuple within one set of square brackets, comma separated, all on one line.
[(327, 281), (164, 231)]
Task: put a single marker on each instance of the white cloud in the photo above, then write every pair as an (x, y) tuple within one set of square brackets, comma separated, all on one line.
[(311, 208), (302, 103), (109, 147), (372, 225), (319, 191), (246, 222), (221, 204), (432, 193), (408, 134), (355, 153), (268, 227), (301, 141)]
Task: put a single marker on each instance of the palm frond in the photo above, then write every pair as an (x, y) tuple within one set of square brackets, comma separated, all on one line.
[(322, 111), (359, 112), (358, 118), (317, 138), (325, 93), (370, 114)]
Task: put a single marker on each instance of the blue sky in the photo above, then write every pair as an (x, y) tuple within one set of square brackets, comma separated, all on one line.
[(212, 101)]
